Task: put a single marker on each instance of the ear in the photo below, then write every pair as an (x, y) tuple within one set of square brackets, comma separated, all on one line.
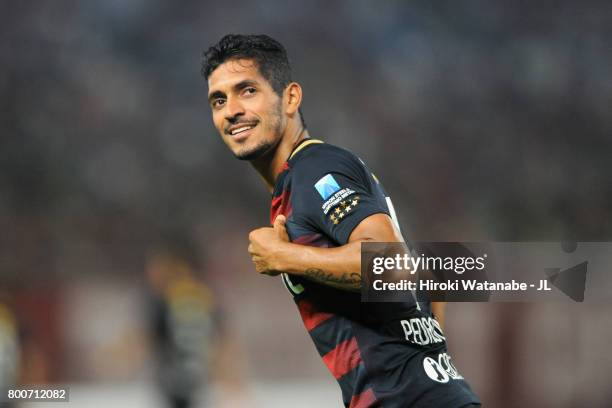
[(293, 98)]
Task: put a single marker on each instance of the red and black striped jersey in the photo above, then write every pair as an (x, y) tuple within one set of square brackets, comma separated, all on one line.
[(325, 192)]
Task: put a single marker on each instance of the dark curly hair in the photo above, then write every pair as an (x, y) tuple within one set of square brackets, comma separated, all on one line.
[(269, 55)]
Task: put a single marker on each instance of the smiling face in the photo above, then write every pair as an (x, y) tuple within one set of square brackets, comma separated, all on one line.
[(245, 109)]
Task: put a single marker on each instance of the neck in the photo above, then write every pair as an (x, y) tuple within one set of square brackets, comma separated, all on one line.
[(270, 165)]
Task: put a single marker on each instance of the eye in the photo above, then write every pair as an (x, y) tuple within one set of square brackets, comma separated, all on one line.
[(217, 103), (249, 90)]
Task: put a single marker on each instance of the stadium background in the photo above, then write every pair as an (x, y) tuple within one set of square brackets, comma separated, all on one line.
[(485, 120)]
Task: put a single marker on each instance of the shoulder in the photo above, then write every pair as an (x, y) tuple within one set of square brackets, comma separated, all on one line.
[(322, 151), (320, 159)]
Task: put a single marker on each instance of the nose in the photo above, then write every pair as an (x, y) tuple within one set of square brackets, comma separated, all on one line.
[(233, 109)]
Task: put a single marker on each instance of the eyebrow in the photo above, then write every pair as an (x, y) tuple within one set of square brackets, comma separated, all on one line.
[(239, 86), (215, 95)]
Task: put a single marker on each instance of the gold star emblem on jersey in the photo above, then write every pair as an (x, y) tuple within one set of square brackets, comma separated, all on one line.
[(343, 209)]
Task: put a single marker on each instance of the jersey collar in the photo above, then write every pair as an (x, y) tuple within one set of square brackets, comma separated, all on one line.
[(304, 143)]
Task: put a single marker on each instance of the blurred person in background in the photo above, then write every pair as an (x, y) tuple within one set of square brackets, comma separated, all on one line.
[(9, 350), (326, 202), (183, 322)]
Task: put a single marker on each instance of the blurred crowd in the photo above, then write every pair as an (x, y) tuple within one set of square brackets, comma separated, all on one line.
[(485, 121)]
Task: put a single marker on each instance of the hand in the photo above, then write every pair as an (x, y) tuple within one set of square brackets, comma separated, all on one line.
[(266, 246)]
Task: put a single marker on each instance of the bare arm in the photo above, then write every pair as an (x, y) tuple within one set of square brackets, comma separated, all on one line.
[(339, 267)]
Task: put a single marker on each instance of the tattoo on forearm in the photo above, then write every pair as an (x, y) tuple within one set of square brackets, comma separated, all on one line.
[(346, 281)]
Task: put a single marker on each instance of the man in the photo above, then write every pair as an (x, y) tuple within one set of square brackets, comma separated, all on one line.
[(183, 324), (325, 203)]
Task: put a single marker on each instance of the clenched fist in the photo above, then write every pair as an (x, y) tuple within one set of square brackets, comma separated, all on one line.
[(266, 247)]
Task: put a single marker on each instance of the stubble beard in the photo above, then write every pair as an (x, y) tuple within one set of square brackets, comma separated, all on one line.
[(267, 145)]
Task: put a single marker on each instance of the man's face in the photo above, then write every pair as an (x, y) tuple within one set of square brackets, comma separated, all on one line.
[(246, 111)]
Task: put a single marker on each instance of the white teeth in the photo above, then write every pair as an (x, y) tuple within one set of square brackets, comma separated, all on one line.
[(241, 129)]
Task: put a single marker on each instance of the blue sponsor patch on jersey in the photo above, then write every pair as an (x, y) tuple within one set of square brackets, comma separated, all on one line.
[(327, 186)]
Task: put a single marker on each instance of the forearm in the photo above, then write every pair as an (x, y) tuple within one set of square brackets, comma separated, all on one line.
[(339, 267)]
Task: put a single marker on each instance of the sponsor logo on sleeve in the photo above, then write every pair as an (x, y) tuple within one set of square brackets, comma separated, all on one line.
[(326, 186), (336, 199), (339, 202)]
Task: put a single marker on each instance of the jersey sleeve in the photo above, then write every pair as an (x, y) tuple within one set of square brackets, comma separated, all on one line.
[(333, 192)]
